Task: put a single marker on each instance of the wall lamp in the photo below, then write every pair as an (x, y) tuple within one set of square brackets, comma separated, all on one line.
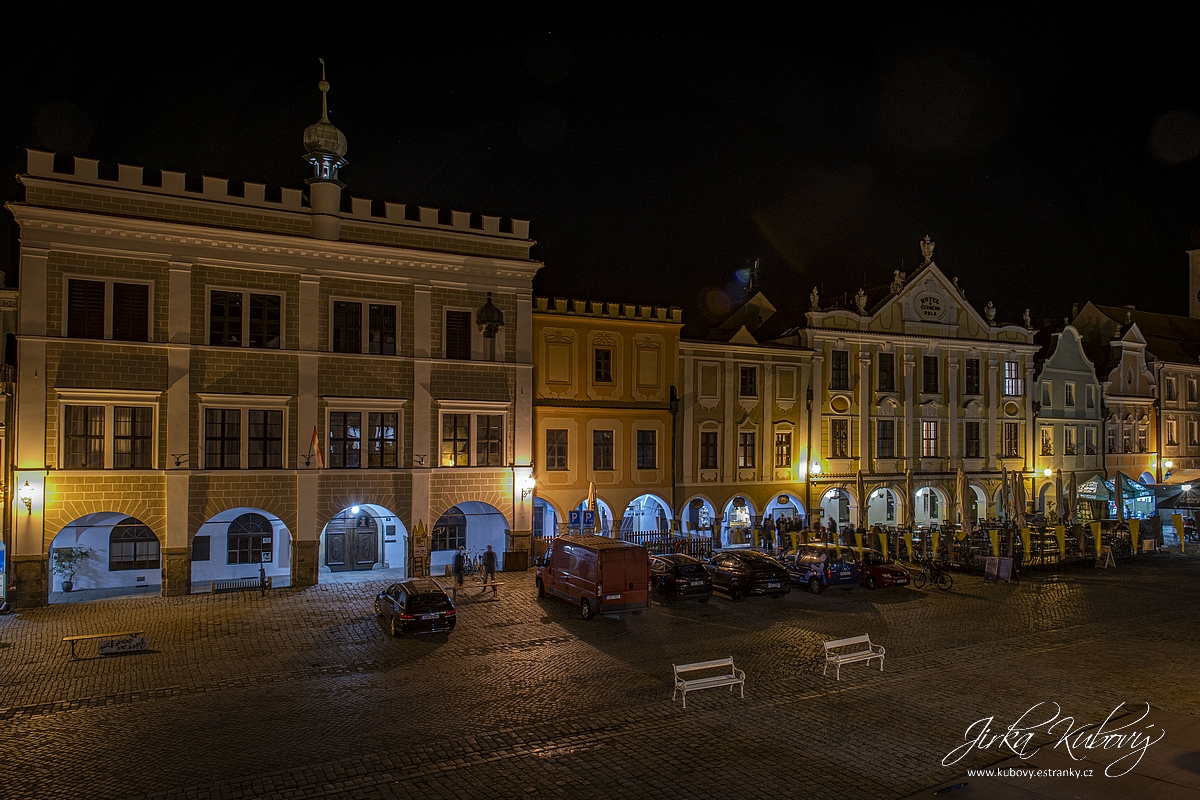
[(26, 495), (527, 486)]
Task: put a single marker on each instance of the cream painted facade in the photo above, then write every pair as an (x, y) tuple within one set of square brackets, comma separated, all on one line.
[(603, 381), (270, 325)]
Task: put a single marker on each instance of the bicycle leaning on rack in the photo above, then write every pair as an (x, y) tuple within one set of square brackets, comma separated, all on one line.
[(934, 575)]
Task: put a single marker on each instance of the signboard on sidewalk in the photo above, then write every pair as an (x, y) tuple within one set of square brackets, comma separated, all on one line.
[(991, 568), (1105, 558), (112, 647)]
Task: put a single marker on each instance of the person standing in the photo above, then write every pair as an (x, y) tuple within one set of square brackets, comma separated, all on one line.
[(489, 569), (460, 564)]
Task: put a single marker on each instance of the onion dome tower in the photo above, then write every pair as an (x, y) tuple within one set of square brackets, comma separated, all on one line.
[(325, 148)]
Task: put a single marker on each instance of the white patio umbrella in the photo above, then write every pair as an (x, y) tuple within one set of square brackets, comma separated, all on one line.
[(1019, 498), (1058, 494), (964, 510), (1004, 492), (862, 502), (591, 504)]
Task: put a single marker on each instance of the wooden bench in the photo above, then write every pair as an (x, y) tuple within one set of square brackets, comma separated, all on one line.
[(864, 651), (239, 585), (453, 588), (114, 635), (729, 675)]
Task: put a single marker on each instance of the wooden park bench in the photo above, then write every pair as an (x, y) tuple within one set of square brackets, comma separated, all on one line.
[(452, 588), (133, 643), (864, 651), (239, 585), (728, 675)]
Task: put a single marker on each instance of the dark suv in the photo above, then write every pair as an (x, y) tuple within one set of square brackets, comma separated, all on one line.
[(416, 606), (819, 566), (679, 577), (742, 572)]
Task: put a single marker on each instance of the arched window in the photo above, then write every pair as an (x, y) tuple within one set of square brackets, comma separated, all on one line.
[(132, 545), (249, 538), (450, 532)]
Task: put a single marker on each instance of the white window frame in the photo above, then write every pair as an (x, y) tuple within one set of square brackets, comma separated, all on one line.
[(790, 430), (738, 449), (1069, 394), (477, 408), (245, 293), (1070, 441), (366, 406), (365, 334), (1172, 432), (244, 403), (1193, 433), (926, 425), (109, 399), (108, 304), (1046, 440), (714, 428)]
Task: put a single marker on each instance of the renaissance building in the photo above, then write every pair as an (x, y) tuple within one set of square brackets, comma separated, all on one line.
[(215, 376)]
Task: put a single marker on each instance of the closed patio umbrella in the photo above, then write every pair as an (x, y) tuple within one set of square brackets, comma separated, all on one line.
[(910, 502), (862, 502), (1117, 493), (591, 504), (1004, 490), (1074, 499), (1019, 498), (1059, 498), (964, 510)]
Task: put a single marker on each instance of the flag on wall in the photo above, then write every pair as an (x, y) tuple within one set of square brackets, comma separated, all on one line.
[(315, 448)]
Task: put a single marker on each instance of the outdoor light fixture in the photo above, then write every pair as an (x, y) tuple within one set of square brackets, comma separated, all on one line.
[(816, 468), (353, 509), (26, 493), (1168, 463), (527, 487), (1047, 472), (1187, 487)]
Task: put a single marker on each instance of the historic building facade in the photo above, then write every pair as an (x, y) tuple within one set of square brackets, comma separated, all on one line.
[(604, 381), (213, 378)]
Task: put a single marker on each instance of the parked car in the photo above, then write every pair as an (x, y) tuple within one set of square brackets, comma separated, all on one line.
[(416, 606), (819, 566), (874, 570), (746, 572), (599, 574), (680, 577)]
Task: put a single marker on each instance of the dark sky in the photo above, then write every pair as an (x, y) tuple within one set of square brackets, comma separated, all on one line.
[(1052, 160)]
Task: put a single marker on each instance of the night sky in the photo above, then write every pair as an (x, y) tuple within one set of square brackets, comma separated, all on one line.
[(1050, 159)]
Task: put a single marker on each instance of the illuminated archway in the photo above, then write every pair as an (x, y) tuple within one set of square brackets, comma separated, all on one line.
[(236, 542), (647, 512), (363, 538), (124, 558)]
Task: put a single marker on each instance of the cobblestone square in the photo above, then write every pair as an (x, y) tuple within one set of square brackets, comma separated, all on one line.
[(302, 693)]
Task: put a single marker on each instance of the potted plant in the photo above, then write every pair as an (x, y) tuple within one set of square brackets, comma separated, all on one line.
[(67, 561)]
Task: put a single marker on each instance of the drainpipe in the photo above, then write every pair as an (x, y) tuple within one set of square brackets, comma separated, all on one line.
[(1158, 442), (808, 401)]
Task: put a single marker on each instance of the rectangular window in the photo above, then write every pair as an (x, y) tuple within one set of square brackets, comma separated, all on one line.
[(1193, 433), (972, 440), (603, 366), (748, 385), (1091, 397), (131, 312), (708, 450), (265, 319), (1172, 432), (1069, 394), (133, 436), (556, 449), (456, 440), (602, 449), (746, 450), (200, 548), (885, 438), (839, 369), (1112, 439), (345, 439), (1014, 384), (381, 329), (85, 309), (225, 319), (1192, 391), (1048, 394), (248, 549), (929, 438), (383, 443), (972, 376), (647, 449), (458, 335), (839, 438), (1069, 444), (929, 375), (264, 442), (84, 437), (783, 450), (1089, 440), (1012, 439), (1047, 435), (347, 327), (1172, 390), (1143, 439), (222, 438), (887, 372), (489, 440)]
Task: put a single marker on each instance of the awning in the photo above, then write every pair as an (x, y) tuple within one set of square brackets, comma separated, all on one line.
[(1097, 488)]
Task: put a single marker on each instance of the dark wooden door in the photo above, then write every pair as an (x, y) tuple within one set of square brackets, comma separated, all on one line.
[(351, 543)]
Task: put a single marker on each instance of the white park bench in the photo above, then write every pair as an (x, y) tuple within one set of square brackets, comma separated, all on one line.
[(728, 675), (863, 651)]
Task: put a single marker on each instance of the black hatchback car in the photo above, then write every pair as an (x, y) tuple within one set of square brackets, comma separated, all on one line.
[(416, 606), (743, 572), (676, 576), (819, 566)]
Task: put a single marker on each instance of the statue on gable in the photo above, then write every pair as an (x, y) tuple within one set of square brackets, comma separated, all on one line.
[(961, 290), (927, 250), (815, 299), (897, 281), (860, 300), (989, 313), (1025, 317)]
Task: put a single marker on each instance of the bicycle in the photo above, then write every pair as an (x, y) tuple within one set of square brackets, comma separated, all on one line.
[(933, 575)]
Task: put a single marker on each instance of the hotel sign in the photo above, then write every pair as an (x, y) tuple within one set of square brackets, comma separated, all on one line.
[(931, 306)]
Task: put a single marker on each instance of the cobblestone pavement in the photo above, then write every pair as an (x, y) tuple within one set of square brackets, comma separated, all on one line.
[(302, 694)]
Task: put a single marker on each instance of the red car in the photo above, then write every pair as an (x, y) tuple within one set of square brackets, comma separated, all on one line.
[(874, 571)]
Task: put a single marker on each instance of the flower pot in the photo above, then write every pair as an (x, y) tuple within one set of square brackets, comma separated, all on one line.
[(67, 586)]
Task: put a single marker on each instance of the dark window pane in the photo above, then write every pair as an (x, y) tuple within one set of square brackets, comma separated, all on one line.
[(972, 376), (602, 449), (84, 437), (132, 545), (347, 327), (382, 330), (748, 382), (222, 438), (264, 439), (85, 309), (489, 444), (458, 335), (929, 382), (840, 369), (225, 319), (133, 434), (839, 436), (887, 372), (886, 440), (131, 312), (647, 449), (250, 540), (603, 372), (345, 439), (456, 433), (708, 450), (201, 548), (556, 450), (384, 451), (264, 320)]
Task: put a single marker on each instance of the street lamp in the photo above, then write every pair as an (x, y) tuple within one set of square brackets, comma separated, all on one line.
[(1047, 472), (527, 486), (26, 494)]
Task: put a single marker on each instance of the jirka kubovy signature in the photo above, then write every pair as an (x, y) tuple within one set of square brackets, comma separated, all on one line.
[(1021, 737)]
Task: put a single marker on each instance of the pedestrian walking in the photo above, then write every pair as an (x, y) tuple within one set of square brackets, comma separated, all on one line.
[(460, 564), (489, 569)]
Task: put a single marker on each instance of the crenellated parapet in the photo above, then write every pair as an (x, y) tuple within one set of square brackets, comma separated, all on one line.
[(593, 308), (86, 172)]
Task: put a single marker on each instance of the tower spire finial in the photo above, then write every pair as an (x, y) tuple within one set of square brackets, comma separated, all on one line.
[(324, 87)]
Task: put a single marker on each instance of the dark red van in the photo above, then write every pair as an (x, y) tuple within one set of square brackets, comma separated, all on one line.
[(600, 575)]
